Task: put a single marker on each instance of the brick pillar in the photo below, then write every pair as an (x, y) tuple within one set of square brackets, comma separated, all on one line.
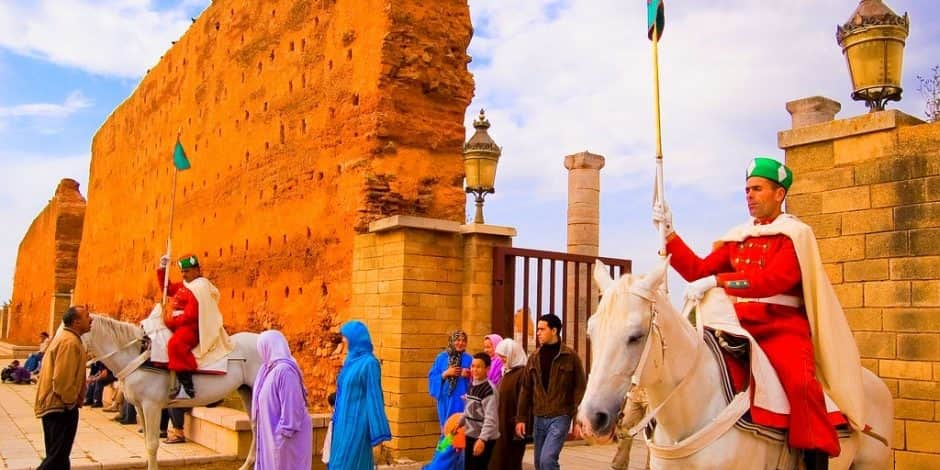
[(407, 287), (478, 243), (870, 188), (584, 185)]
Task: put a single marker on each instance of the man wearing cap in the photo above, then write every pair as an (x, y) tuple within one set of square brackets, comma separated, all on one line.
[(195, 321), (771, 269)]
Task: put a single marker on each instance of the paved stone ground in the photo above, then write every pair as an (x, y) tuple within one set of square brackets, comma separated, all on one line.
[(104, 444), (578, 456), (99, 444)]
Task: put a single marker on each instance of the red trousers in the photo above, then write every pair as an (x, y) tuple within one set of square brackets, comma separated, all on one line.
[(179, 348), (790, 351)]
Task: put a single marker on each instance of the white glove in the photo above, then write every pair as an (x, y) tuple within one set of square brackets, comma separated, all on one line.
[(663, 216), (698, 288), (164, 261)]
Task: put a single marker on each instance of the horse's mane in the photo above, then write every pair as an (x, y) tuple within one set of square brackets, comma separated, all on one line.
[(121, 332)]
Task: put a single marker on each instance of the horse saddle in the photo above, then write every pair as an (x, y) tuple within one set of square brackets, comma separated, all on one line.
[(734, 352)]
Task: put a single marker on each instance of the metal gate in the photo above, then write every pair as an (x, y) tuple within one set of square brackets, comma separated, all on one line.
[(551, 282)]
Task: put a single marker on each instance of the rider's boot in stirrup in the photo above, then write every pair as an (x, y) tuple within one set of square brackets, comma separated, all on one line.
[(815, 460)]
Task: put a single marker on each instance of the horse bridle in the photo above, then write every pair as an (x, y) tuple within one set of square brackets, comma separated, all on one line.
[(646, 294)]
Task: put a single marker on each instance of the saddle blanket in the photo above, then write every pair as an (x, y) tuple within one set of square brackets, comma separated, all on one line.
[(769, 404), (160, 335)]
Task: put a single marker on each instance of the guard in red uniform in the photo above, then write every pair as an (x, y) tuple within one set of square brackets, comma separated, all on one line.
[(762, 276), (182, 320)]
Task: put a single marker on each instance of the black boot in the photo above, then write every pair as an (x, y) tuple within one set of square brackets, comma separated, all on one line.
[(186, 380), (815, 460)]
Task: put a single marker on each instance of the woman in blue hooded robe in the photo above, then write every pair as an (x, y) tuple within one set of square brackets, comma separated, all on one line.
[(448, 379), (359, 420)]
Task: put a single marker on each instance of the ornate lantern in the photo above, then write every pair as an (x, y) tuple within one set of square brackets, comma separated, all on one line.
[(480, 156), (873, 44)]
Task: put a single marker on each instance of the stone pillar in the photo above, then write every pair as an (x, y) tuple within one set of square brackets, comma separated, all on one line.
[(870, 188), (4, 321), (478, 243), (812, 110), (61, 301), (584, 185)]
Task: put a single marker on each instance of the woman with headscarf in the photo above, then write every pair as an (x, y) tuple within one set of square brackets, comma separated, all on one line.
[(496, 364), (509, 449), (359, 420), (279, 408), (449, 377)]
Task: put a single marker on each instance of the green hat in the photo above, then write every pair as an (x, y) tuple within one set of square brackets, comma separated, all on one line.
[(188, 262), (772, 170)]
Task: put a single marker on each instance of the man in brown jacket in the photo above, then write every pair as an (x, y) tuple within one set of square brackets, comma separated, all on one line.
[(552, 387), (62, 388)]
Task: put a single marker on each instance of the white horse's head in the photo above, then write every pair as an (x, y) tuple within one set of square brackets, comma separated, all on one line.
[(618, 331)]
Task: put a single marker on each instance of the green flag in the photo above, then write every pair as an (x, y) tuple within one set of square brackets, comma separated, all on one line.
[(179, 157), (655, 19)]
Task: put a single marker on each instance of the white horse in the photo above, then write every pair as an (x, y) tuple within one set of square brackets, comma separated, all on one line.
[(636, 330), (117, 345)]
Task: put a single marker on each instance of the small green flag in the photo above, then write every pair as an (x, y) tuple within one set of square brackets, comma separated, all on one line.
[(179, 157), (655, 19)]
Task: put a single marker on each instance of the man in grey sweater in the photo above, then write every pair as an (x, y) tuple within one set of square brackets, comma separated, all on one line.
[(480, 415)]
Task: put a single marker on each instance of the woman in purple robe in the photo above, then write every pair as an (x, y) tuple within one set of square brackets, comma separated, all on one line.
[(279, 408)]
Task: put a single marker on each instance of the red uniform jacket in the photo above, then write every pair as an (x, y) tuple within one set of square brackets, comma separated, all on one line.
[(184, 323), (762, 267)]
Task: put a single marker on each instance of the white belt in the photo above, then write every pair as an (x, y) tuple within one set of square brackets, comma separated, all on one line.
[(781, 299)]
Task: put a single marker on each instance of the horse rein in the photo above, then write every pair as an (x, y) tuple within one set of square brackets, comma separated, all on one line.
[(638, 374), (131, 366)]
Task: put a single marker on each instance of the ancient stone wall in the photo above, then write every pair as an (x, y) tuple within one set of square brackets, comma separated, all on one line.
[(870, 188), (304, 120), (46, 264)]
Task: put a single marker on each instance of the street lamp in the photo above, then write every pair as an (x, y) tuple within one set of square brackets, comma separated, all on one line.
[(873, 44), (480, 156)]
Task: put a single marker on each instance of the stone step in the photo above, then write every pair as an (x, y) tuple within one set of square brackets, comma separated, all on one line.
[(228, 431), (15, 351)]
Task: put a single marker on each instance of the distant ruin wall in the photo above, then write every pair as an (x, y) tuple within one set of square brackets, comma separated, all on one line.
[(46, 264), (304, 121)]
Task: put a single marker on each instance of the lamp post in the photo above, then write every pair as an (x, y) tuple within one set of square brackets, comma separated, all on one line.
[(873, 44), (480, 156)]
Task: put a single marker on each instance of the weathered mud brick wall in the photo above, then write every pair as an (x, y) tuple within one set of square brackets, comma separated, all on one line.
[(46, 264), (870, 188), (304, 121)]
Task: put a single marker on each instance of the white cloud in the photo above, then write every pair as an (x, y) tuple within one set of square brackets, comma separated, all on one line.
[(27, 183), (580, 77), (560, 77), (73, 102), (109, 37)]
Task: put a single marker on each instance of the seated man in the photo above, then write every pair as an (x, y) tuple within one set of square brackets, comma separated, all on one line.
[(758, 266), (195, 321), (99, 377), (34, 359)]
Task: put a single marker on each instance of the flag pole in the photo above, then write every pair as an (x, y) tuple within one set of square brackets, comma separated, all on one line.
[(657, 117), (656, 21), (169, 236)]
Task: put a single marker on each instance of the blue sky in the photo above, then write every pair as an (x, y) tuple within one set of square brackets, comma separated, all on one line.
[(556, 77)]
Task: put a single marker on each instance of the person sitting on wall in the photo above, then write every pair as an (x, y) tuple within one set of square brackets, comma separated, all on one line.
[(33, 360), (195, 321)]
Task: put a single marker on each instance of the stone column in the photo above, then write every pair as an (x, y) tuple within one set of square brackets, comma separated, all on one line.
[(584, 185), (61, 301)]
